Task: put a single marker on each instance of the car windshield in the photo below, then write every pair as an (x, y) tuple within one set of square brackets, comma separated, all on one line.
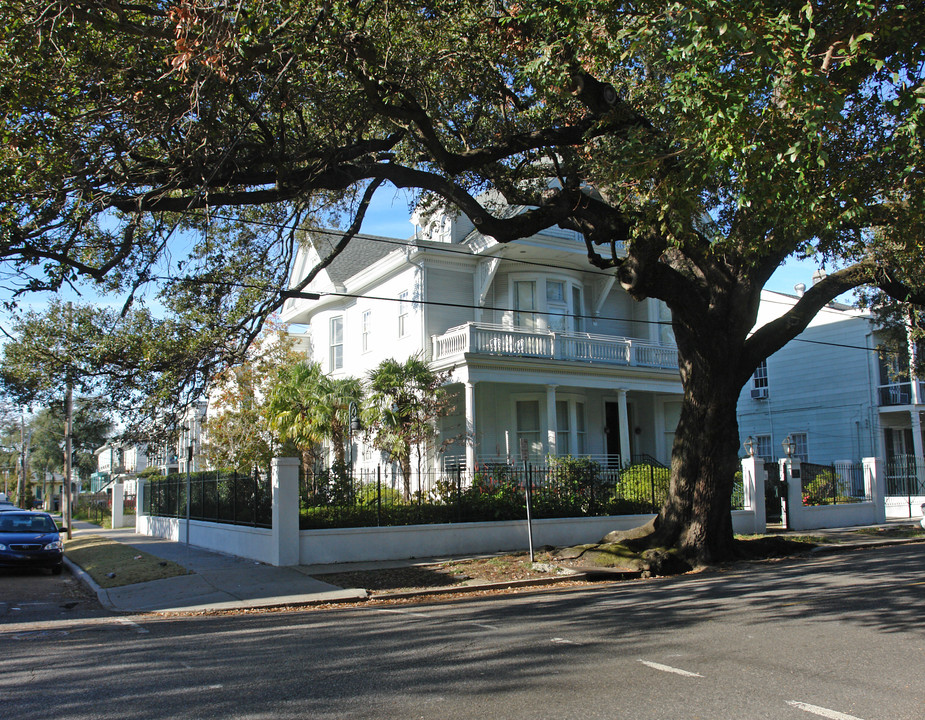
[(23, 523)]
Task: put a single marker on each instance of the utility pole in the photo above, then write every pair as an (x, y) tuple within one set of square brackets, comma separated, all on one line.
[(68, 417), (20, 484)]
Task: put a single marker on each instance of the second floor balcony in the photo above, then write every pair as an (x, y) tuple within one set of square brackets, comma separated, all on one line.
[(900, 393), (489, 339)]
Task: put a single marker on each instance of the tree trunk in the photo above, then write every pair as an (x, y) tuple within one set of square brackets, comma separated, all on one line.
[(696, 519)]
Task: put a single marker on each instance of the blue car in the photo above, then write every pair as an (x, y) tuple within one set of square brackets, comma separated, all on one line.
[(30, 539)]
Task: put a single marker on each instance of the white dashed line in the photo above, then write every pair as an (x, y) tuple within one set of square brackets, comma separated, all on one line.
[(134, 625), (669, 669), (821, 711), (562, 641)]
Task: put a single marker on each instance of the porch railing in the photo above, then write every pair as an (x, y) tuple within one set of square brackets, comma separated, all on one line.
[(899, 393), (492, 339)]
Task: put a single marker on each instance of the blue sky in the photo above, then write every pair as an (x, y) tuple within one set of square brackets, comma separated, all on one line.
[(388, 216)]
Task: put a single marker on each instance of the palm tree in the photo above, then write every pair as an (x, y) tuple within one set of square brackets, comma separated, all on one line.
[(406, 397), (308, 407)]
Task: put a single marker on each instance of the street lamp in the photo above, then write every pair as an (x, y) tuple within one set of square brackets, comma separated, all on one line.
[(789, 446), (749, 446), (353, 426)]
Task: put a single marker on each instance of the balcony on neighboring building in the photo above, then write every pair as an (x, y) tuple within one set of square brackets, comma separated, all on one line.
[(499, 340), (900, 393)]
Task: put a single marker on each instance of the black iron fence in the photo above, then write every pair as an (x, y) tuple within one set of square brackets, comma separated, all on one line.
[(215, 496), (905, 476), (839, 483), (571, 488), (95, 507)]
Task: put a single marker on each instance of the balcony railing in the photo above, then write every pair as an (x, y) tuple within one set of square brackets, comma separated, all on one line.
[(489, 339), (900, 393)]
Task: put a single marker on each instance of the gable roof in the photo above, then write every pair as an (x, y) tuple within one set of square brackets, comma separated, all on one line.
[(361, 252)]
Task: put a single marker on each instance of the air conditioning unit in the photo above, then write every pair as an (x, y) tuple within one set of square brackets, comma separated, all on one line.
[(760, 393)]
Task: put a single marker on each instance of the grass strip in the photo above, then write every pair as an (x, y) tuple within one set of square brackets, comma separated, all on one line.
[(112, 564)]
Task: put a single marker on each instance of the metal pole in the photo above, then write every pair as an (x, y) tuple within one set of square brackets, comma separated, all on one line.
[(528, 491), (189, 461), (68, 425)]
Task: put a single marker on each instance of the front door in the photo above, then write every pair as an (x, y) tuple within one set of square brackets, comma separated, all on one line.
[(612, 433)]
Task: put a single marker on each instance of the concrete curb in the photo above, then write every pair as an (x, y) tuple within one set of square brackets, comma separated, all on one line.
[(831, 548), (478, 587), (84, 577)]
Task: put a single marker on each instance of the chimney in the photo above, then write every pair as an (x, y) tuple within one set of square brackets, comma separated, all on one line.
[(818, 276)]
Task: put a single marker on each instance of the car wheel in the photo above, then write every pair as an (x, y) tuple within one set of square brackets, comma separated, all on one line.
[(56, 570)]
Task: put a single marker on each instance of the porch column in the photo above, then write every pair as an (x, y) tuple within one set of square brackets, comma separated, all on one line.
[(916, 418), (625, 455), (470, 427), (551, 424)]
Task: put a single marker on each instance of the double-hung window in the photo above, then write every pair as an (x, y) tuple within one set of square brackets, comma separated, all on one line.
[(403, 313), (366, 329), (336, 343)]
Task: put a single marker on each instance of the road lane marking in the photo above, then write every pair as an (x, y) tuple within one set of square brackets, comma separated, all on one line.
[(562, 641), (669, 669), (134, 625), (821, 711)]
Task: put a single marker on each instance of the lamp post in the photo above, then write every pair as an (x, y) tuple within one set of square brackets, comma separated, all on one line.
[(789, 446), (189, 461), (353, 426), (749, 446)]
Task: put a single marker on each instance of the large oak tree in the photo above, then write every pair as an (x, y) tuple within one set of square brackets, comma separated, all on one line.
[(711, 139)]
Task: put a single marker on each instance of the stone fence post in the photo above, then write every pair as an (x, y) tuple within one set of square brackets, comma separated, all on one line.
[(118, 502), (754, 477), (285, 488), (873, 486)]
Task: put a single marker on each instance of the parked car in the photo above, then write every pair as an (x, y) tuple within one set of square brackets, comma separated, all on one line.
[(922, 522), (30, 539)]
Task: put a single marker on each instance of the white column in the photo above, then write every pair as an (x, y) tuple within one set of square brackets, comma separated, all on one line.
[(753, 477), (470, 428), (873, 486), (285, 488), (551, 420), (118, 499), (916, 417), (625, 456)]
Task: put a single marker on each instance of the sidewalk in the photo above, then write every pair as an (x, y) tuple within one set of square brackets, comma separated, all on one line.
[(217, 582), (225, 582)]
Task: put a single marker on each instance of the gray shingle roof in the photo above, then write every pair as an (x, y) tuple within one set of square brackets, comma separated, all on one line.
[(361, 252)]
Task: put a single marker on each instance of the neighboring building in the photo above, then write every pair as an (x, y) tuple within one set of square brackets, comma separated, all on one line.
[(833, 391), (190, 439), (543, 352), (122, 462)]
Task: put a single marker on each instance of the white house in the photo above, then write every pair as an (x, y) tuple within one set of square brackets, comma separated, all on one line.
[(544, 352)]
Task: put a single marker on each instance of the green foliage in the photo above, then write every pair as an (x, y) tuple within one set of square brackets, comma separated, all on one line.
[(307, 408), (240, 428), (406, 398), (826, 487), (644, 482)]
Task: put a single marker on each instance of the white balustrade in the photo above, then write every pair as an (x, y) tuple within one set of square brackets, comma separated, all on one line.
[(490, 339)]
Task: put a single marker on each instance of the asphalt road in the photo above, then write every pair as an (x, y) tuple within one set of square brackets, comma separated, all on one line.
[(34, 594), (835, 637)]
